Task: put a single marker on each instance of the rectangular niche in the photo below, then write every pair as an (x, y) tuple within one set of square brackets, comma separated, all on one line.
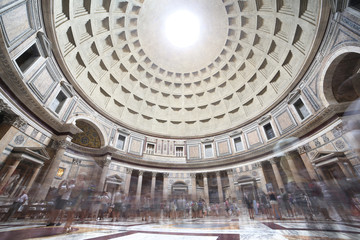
[(17, 22), (58, 102), (28, 58), (120, 144)]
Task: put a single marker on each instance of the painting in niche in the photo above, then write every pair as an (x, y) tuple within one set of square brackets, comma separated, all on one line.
[(60, 172), (89, 137)]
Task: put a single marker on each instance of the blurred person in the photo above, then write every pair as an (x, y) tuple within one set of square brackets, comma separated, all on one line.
[(227, 207), (302, 203), (248, 200), (77, 189), (104, 204), (21, 200), (182, 206), (317, 199), (87, 201), (146, 208), (286, 203), (217, 209), (166, 209), (194, 209), (173, 208), (200, 206), (156, 209), (188, 209), (59, 204), (265, 205), (352, 123), (118, 198), (71, 202), (274, 204), (95, 205)]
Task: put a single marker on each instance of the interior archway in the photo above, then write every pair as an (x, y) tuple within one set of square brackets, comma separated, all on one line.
[(89, 137)]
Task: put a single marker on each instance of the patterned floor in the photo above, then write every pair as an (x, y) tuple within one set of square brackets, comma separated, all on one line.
[(199, 229)]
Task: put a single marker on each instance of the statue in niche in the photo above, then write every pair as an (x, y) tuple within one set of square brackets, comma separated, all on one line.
[(11, 184), (285, 166)]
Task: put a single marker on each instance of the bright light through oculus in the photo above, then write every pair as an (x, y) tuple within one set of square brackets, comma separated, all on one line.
[(182, 28)]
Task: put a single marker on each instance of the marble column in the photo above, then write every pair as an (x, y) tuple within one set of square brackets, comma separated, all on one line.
[(220, 189), (127, 181), (344, 169), (193, 186), (73, 171), (153, 183), (276, 171), (262, 179), (206, 189), (106, 163), (321, 174), (291, 157), (138, 189), (9, 128), (61, 145), (9, 172), (230, 175), (165, 186), (22, 180), (32, 179), (351, 168), (308, 165)]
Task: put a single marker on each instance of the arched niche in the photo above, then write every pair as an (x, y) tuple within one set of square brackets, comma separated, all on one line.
[(179, 188), (89, 137), (341, 82)]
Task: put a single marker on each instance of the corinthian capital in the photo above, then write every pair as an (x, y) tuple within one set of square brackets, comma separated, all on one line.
[(230, 172), (62, 143), (4, 107), (16, 121)]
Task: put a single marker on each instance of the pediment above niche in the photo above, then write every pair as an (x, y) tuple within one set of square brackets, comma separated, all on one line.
[(33, 154), (264, 119), (114, 178), (68, 88), (292, 95)]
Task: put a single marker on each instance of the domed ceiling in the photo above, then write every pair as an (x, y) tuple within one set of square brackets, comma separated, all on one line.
[(247, 57)]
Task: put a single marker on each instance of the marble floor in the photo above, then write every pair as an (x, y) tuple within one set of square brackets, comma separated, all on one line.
[(209, 228)]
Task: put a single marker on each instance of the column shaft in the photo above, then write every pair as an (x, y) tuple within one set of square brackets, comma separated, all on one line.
[(291, 158), (165, 186), (153, 182), (138, 189), (220, 189), (276, 171), (308, 165), (231, 184), (7, 133), (53, 168), (20, 181), (321, 173), (263, 179), (193, 186), (9, 173), (344, 169), (32, 179), (106, 164), (127, 181), (206, 189)]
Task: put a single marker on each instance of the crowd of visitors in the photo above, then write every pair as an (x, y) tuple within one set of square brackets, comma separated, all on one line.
[(73, 199)]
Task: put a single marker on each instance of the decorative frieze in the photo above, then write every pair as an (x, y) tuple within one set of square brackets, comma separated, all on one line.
[(16, 121)]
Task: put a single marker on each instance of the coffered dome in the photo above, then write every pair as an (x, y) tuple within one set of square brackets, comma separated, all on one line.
[(248, 56)]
